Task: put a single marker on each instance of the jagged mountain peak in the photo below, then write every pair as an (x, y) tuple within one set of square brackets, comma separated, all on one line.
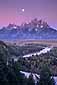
[(33, 23), (35, 29), (39, 23), (36, 23), (10, 26)]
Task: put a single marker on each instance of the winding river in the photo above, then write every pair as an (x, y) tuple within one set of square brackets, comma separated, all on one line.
[(43, 51)]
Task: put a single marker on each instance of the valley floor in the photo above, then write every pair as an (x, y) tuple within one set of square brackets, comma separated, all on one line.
[(23, 42)]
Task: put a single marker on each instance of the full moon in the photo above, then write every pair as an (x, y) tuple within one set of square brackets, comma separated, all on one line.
[(23, 10)]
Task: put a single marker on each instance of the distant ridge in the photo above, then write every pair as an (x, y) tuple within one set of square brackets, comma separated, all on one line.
[(36, 29)]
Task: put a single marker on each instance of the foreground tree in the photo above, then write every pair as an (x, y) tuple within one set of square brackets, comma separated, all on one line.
[(30, 80), (14, 75), (45, 77)]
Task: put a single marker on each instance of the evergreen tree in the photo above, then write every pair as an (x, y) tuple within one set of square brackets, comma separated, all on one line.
[(45, 76), (30, 80), (14, 75)]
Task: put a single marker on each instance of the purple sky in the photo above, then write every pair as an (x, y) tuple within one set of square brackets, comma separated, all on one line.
[(10, 11)]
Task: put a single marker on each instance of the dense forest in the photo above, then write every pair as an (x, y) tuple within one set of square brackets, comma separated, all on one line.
[(10, 70)]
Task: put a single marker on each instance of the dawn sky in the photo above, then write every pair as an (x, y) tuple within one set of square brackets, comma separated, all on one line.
[(11, 11)]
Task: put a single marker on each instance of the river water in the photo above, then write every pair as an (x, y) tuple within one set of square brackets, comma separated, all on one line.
[(43, 51), (36, 75)]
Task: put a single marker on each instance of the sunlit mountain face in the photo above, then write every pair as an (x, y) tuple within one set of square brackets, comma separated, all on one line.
[(36, 29)]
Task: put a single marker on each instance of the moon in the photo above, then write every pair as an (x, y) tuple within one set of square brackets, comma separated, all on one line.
[(23, 10)]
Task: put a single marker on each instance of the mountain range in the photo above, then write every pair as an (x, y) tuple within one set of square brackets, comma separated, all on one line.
[(36, 29)]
